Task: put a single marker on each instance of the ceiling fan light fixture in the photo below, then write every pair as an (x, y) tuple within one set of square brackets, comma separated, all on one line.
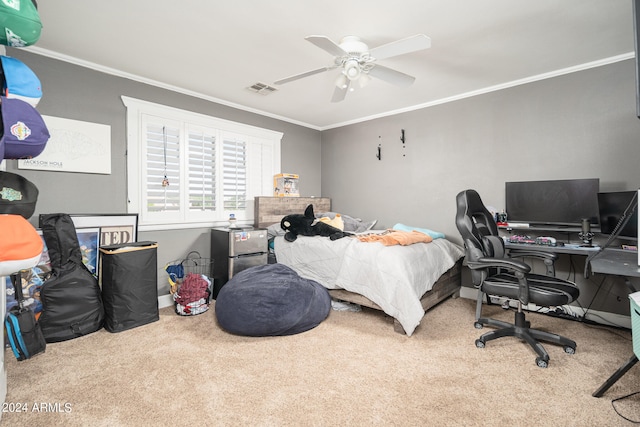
[(341, 81), (352, 69)]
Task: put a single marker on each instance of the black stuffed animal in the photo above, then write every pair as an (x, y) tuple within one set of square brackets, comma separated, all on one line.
[(303, 225)]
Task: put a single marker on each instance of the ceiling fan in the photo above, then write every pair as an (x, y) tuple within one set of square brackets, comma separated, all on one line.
[(359, 63)]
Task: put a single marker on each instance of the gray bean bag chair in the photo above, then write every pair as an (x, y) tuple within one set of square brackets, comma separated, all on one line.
[(271, 300)]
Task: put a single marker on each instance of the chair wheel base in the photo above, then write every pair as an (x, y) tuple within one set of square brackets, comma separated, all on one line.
[(542, 362), (521, 329)]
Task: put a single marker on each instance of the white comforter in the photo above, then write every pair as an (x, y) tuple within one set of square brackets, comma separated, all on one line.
[(394, 277)]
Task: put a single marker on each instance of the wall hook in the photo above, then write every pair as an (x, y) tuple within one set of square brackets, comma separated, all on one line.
[(379, 155), (402, 136)]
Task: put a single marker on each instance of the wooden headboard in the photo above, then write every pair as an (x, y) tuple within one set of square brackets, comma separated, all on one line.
[(269, 210)]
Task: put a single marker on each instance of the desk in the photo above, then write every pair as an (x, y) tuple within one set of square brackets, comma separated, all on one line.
[(620, 263), (568, 249), (617, 262)]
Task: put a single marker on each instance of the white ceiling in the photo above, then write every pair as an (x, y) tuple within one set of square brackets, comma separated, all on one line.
[(216, 49)]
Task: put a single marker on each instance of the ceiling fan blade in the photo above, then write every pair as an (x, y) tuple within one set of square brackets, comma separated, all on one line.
[(391, 76), (302, 75), (340, 92), (325, 43), (400, 47)]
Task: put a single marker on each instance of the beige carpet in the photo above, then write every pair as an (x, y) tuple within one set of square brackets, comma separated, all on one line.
[(353, 369)]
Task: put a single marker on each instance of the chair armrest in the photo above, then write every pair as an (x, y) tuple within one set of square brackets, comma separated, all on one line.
[(510, 264), (519, 268), (548, 258)]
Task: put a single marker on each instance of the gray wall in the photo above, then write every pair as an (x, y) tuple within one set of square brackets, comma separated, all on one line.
[(579, 125), (574, 126), (78, 93)]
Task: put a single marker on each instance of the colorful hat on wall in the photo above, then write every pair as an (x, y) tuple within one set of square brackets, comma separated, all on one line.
[(20, 23), (24, 133), (18, 195), (18, 81)]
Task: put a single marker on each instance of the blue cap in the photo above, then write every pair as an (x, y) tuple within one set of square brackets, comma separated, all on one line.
[(19, 81)]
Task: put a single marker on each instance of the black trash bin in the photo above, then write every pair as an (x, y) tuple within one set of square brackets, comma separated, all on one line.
[(129, 279)]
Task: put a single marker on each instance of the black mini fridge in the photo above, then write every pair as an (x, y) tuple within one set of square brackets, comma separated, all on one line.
[(129, 281)]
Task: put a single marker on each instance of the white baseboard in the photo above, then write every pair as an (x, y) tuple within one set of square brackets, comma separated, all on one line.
[(609, 319), (602, 317), (165, 301), (469, 293)]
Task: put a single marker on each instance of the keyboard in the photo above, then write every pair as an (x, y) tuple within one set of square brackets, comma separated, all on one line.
[(528, 240)]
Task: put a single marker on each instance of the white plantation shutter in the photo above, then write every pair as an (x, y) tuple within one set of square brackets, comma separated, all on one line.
[(213, 167), (162, 160), (261, 156), (202, 171), (234, 174)]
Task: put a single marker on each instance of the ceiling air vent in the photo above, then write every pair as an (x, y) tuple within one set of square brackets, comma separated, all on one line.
[(262, 88)]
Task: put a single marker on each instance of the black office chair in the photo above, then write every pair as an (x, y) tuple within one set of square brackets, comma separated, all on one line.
[(494, 273)]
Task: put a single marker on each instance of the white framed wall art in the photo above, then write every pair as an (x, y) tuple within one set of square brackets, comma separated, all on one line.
[(74, 146)]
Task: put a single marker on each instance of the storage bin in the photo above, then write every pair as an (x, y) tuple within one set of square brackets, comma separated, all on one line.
[(129, 280), (187, 301)]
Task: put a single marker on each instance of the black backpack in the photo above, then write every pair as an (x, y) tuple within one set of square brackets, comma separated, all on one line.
[(71, 298)]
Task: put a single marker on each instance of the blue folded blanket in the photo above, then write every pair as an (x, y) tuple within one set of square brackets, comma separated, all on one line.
[(433, 234)]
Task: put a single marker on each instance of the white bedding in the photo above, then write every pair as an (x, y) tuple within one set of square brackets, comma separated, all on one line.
[(393, 277)]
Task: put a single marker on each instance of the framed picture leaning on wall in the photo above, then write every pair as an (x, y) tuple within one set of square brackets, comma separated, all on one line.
[(114, 228)]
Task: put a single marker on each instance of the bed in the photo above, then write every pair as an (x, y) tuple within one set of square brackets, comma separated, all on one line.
[(402, 281)]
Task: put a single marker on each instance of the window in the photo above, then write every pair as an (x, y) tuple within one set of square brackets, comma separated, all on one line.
[(190, 170)]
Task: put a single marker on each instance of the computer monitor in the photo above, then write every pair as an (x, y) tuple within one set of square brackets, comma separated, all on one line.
[(555, 202), (612, 205)]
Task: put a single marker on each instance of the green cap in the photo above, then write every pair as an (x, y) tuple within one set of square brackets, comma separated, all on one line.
[(19, 23)]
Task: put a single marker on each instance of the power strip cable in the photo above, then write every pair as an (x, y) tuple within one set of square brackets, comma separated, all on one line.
[(622, 398)]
